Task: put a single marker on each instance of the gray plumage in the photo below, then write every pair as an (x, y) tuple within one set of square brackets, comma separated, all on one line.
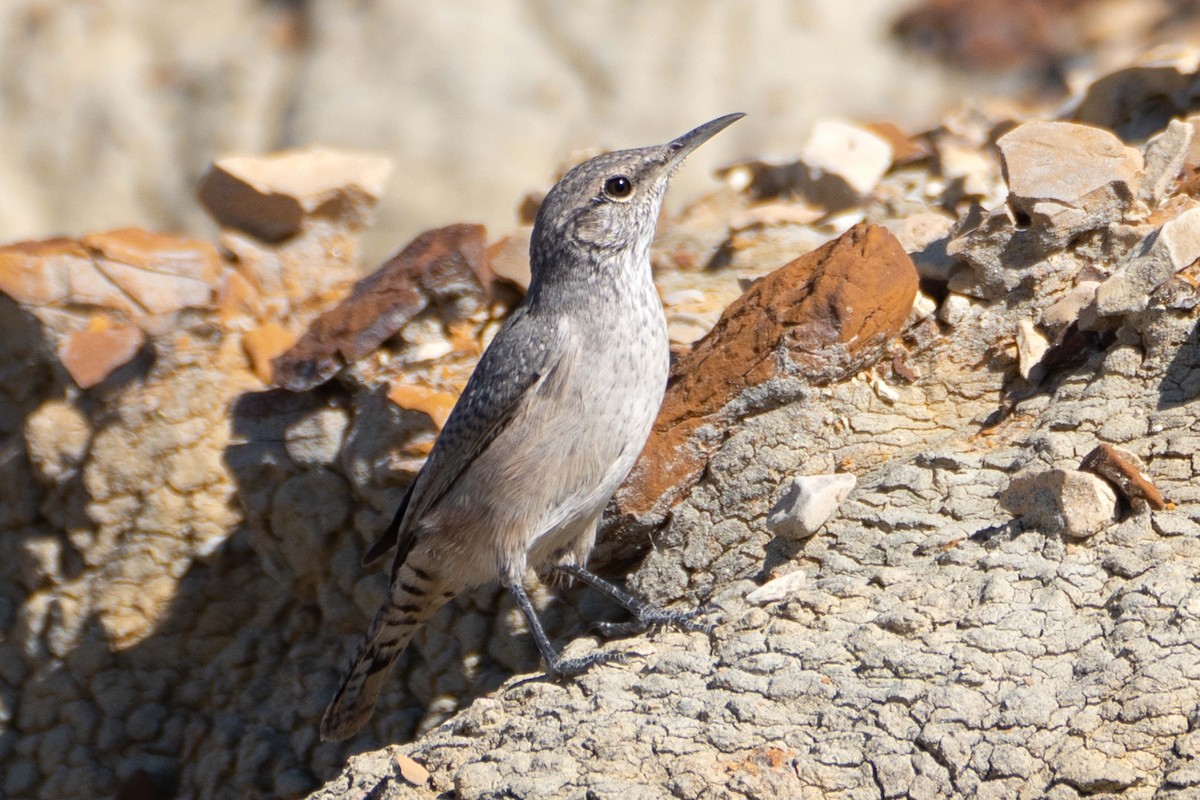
[(550, 423)]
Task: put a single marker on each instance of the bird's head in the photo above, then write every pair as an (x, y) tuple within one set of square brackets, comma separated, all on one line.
[(609, 205)]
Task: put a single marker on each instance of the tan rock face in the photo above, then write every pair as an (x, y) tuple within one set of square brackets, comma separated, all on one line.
[(129, 270), (99, 296), (821, 318)]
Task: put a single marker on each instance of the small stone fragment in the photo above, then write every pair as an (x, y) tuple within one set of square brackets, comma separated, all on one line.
[(270, 196), (853, 156), (1068, 308), (1068, 178), (437, 405), (808, 504), (1031, 346), (924, 237), (1125, 471), (508, 259), (776, 589), (411, 771), (264, 343), (1061, 501), (237, 297), (1164, 157), (905, 149), (955, 309), (129, 270), (1170, 249), (56, 436), (969, 169), (92, 354), (923, 308)]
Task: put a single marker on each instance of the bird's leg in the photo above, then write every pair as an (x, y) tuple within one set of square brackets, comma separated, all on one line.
[(645, 614), (555, 664)]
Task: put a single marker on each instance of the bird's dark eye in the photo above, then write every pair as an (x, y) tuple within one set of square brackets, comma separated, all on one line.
[(618, 187)]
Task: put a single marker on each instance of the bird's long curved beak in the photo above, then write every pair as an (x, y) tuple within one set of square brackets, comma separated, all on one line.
[(694, 138)]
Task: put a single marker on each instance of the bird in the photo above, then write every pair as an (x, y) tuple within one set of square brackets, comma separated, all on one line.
[(549, 424)]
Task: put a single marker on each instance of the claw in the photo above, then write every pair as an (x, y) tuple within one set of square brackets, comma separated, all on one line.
[(570, 667)]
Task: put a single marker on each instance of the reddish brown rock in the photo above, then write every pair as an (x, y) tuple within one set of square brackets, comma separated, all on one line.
[(829, 313), (437, 267), (1125, 471), (92, 354)]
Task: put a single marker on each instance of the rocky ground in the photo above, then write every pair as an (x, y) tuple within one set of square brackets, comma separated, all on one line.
[(928, 460)]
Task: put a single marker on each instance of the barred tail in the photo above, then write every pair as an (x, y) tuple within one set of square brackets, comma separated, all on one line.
[(412, 602)]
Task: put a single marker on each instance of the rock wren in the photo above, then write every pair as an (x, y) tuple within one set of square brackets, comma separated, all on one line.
[(550, 423)]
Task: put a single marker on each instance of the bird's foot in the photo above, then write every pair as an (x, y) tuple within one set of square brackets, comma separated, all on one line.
[(647, 616)]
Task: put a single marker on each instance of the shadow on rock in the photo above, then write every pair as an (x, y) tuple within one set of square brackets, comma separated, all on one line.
[(1181, 384)]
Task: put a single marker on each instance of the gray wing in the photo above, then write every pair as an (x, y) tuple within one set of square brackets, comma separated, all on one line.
[(522, 357)]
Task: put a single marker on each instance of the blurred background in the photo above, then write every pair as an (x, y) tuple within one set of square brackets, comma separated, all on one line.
[(111, 110)]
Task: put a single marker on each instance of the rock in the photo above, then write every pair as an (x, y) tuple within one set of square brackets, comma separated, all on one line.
[(1164, 157), (924, 237), (955, 309), (439, 266), (160, 273), (508, 259), (128, 270), (1031, 346), (1175, 246), (1125, 471), (1003, 35), (1061, 501), (56, 437), (1091, 772), (822, 317), (1000, 256), (906, 149), (436, 405), (808, 504), (411, 771), (844, 159), (1068, 308), (1118, 101), (775, 214), (92, 354), (56, 272), (270, 196), (777, 589), (1067, 178), (970, 173), (264, 344), (923, 308)]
